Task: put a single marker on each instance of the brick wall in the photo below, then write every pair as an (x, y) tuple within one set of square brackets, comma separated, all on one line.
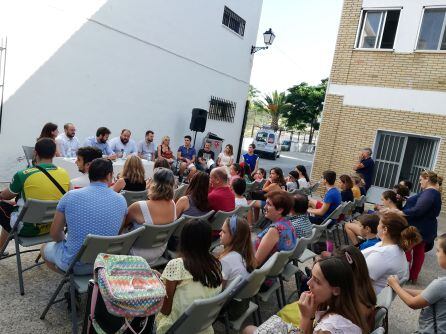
[(418, 70), (346, 129)]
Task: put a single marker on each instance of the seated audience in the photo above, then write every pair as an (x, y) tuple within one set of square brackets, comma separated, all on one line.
[(102, 213), (238, 187), (275, 182), (221, 197), (251, 158), (390, 200), (387, 257), (292, 181), (280, 234), (159, 209), (32, 183), (331, 201), (205, 158), (299, 216), (260, 178), (366, 227), (364, 288), (346, 185), (402, 192), (432, 300), (226, 158), (195, 201), (123, 145), (100, 141), (303, 179), (50, 130), (235, 172), (164, 150), (132, 177), (85, 155), (195, 275), (237, 257), (407, 184), (186, 157), (358, 186), (331, 306), (246, 172), (146, 147), (67, 142), (161, 162)]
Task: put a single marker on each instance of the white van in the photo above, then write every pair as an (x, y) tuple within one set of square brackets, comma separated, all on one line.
[(267, 143)]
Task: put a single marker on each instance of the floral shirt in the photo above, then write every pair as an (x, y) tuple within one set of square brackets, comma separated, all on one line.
[(287, 235)]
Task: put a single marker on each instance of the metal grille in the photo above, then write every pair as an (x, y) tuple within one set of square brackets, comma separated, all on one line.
[(221, 110), (3, 43), (388, 160), (233, 21), (423, 159)]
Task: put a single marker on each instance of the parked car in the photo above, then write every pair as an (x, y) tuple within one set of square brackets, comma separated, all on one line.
[(267, 143), (286, 145)]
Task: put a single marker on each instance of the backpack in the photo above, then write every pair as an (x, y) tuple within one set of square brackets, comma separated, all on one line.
[(129, 289)]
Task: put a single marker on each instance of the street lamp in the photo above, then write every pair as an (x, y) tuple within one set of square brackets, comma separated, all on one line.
[(268, 39)]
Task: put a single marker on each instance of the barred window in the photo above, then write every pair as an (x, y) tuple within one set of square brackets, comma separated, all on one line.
[(221, 110), (233, 21)]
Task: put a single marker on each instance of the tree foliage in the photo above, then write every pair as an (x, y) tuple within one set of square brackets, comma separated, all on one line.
[(275, 104), (306, 106)]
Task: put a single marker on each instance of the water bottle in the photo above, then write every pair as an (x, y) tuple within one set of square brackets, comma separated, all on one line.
[(122, 153), (149, 156)]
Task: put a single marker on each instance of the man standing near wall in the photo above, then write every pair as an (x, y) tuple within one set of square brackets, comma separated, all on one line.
[(365, 166)]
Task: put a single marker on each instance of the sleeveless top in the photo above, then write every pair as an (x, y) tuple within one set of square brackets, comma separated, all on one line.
[(166, 154), (193, 210), (287, 235), (134, 186), (151, 254)]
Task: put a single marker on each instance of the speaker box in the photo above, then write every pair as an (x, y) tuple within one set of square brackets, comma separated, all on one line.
[(198, 120)]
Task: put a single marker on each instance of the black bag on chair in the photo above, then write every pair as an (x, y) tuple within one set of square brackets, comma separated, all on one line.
[(110, 323)]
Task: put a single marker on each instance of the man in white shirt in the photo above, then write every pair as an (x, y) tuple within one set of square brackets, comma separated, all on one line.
[(85, 156), (123, 144), (67, 142)]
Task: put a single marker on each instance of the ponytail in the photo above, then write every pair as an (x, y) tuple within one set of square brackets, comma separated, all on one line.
[(410, 237), (399, 231)]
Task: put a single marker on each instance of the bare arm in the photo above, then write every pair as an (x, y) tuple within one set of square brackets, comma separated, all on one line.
[(266, 245), (171, 286), (6, 194), (321, 211), (413, 301), (119, 185), (182, 205), (134, 212), (57, 227)]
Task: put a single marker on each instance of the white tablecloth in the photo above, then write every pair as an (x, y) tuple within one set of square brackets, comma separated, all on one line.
[(69, 164)]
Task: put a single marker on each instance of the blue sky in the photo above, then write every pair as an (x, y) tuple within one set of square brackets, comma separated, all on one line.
[(306, 32)]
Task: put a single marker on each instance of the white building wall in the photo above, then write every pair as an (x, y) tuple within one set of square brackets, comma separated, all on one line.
[(136, 64)]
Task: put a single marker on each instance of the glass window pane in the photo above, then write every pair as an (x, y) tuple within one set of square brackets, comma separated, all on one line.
[(370, 30), (443, 42), (390, 27), (431, 27)]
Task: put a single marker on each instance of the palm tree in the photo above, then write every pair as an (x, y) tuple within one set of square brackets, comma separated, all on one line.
[(276, 105)]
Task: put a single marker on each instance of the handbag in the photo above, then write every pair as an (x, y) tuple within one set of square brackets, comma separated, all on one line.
[(129, 288), (275, 325)]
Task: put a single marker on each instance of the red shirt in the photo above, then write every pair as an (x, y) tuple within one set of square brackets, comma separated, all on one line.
[(222, 199)]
